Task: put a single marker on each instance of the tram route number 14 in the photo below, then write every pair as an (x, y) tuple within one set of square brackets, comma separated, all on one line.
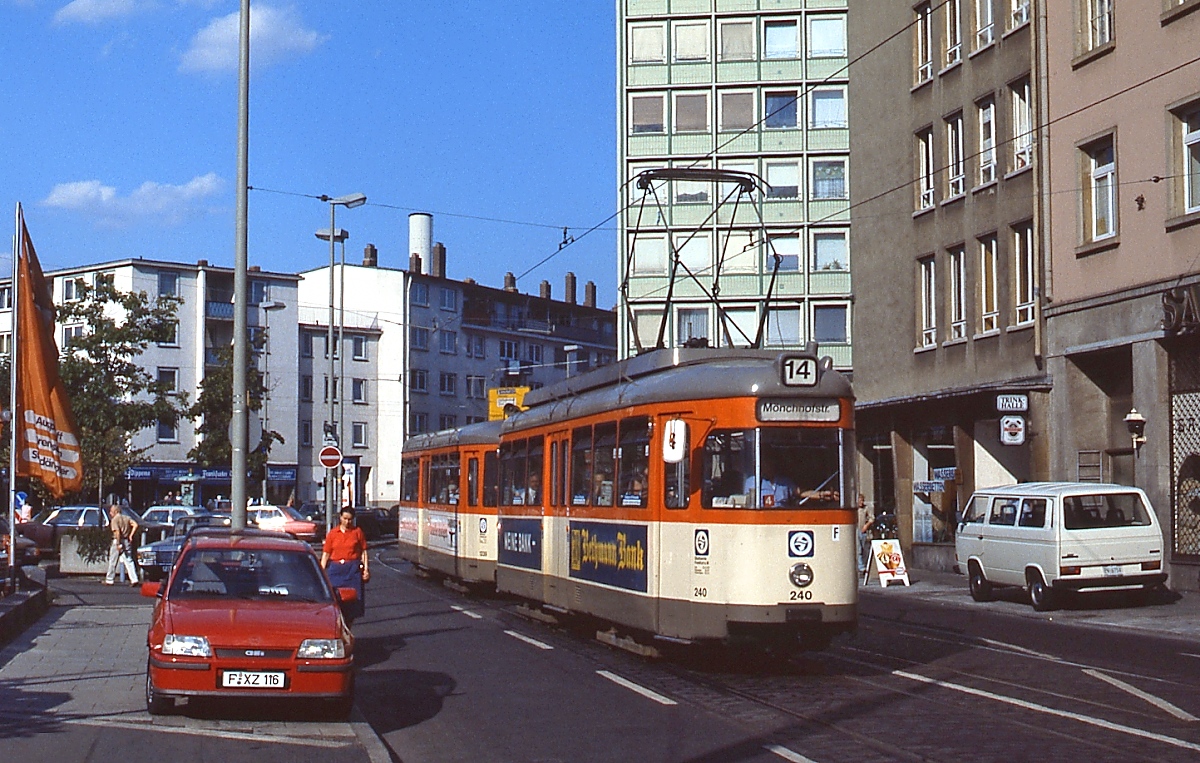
[(799, 372)]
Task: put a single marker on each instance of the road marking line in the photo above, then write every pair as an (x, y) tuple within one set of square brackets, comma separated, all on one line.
[(660, 699), (1052, 711), (787, 754), (1189, 654), (1020, 649), (467, 612), (528, 640), (210, 732), (1158, 702)]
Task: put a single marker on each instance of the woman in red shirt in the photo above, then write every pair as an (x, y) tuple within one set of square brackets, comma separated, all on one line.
[(344, 559)]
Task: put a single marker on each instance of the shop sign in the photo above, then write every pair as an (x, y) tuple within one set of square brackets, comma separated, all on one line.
[(1181, 309), (946, 473), (1012, 430), (1012, 403), (929, 486)]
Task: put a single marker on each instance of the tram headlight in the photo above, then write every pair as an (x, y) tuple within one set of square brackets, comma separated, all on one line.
[(801, 575)]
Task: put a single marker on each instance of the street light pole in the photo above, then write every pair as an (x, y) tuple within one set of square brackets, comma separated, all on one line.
[(239, 426)]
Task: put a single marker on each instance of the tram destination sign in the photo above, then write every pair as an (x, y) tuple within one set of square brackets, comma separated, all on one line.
[(788, 409)]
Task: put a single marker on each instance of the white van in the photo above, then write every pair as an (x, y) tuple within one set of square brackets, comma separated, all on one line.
[(1059, 537)]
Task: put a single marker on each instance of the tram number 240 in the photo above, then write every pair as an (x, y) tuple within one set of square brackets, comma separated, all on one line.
[(700, 592)]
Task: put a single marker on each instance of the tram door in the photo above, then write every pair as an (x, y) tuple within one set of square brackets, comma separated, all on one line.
[(674, 541), (555, 520)]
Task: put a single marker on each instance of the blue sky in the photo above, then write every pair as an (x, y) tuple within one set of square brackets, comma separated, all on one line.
[(120, 127)]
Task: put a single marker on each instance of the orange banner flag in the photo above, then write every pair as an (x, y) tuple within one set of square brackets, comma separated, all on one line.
[(47, 443)]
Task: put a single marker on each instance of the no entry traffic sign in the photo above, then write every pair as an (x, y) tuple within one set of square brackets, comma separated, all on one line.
[(331, 457)]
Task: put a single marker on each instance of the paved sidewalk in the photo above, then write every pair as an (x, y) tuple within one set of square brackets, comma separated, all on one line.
[(1173, 615)]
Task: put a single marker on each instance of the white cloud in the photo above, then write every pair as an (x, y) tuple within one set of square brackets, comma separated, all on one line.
[(154, 203), (97, 11), (275, 34)]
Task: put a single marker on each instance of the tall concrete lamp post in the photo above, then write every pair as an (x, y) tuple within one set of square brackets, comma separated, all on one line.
[(331, 479)]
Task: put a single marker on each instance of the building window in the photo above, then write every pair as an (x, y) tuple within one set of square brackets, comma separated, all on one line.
[(691, 191), (646, 114), (691, 323), (477, 387), (168, 380), (1025, 273), (646, 44), (510, 349), (958, 293), (358, 390), (73, 289), (5, 297), (1022, 121), (70, 334), (691, 112), (781, 110), (1020, 13), (783, 180), (695, 254), (418, 379), (359, 344), (780, 40), (306, 344), (1100, 23), (928, 302), (830, 251), (306, 389), (449, 299), (306, 433), (923, 50), (1100, 190), (739, 252), (826, 37), (168, 284), (989, 300), (953, 32), (784, 249), (448, 342), (737, 40), (259, 292), (477, 346), (358, 434), (420, 294), (828, 107), (325, 394), (783, 328), (925, 169), (533, 352), (447, 421), (649, 257), (986, 112), (737, 110), (830, 325), (167, 431), (419, 423), (956, 171), (829, 179), (420, 337), (1190, 123), (172, 335), (5, 343), (690, 39), (984, 25)]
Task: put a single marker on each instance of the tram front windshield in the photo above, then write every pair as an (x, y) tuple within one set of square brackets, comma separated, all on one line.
[(773, 468)]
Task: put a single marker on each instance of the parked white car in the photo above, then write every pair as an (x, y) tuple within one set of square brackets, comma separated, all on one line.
[(1054, 538)]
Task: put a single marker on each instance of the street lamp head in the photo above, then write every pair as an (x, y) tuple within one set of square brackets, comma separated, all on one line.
[(339, 234), (273, 305), (349, 201)]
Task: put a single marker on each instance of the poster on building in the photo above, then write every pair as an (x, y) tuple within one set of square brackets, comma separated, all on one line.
[(349, 484), (499, 398), (889, 561)]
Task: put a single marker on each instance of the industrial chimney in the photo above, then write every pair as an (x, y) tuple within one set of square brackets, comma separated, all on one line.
[(510, 282), (544, 290), (420, 236), (569, 297), (437, 265), (589, 294), (414, 263), (370, 256)]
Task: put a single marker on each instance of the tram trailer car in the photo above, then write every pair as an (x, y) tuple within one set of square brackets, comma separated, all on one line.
[(447, 515), (693, 495)]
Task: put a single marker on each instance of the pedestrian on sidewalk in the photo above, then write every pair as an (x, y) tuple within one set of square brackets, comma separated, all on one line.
[(866, 521), (124, 528), (344, 559)]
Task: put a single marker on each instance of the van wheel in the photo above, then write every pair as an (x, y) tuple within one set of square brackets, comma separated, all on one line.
[(1040, 594), (981, 589)]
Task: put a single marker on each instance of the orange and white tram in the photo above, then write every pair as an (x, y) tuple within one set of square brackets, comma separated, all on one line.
[(693, 495)]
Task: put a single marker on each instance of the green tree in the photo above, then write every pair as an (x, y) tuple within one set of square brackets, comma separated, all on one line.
[(112, 395), (214, 409)]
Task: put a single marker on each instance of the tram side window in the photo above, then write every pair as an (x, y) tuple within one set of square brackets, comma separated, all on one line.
[(533, 472), (677, 491), (728, 460), (603, 463), (410, 471), (773, 467), (512, 473), (444, 478), (473, 482), (581, 466), (426, 488), (634, 452), (491, 478)]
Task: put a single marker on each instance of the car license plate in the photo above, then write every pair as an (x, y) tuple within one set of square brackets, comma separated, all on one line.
[(252, 679), (1112, 570)]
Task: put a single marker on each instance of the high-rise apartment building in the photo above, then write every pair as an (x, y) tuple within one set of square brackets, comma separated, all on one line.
[(757, 86)]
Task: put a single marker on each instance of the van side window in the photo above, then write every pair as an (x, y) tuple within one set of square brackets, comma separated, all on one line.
[(1004, 512), (1033, 512), (976, 511)]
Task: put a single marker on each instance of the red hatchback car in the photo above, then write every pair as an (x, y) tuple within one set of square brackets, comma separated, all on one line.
[(248, 614)]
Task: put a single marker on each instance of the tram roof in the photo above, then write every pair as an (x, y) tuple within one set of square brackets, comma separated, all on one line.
[(671, 375), (483, 433)]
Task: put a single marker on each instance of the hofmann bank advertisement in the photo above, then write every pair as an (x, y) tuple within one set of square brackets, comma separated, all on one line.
[(521, 543), (613, 554)]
